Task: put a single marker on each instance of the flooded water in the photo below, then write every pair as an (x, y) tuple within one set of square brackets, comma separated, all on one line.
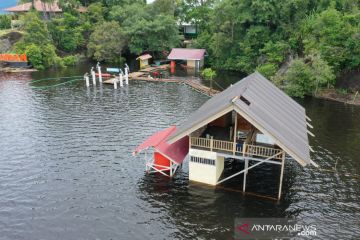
[(66, 170)]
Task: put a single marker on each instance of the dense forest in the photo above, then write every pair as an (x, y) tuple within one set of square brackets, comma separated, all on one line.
[(301, 45)]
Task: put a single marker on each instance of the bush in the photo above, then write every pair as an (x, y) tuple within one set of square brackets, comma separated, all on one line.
[(5, 21), (268, 69), (306, 75), (70, 60), (35, 57)]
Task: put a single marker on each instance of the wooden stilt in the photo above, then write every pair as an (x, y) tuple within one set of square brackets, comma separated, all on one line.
[(281, 174), (235, 134), (171, 170), (245, 173)]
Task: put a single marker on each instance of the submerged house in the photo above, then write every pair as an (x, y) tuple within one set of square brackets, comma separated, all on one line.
[(144, 60), (251, 121), (194, 58)]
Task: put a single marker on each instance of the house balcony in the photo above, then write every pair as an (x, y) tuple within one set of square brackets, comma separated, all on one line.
[(237, 149)]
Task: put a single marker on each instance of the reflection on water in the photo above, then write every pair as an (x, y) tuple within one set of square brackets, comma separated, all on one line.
[(66, 170)]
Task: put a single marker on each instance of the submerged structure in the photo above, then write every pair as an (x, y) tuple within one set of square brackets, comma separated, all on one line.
[(251, 121), (194, 58)]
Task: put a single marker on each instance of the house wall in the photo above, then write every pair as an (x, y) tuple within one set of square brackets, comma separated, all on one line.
[(144, 63), (205, 166), (191, 63)]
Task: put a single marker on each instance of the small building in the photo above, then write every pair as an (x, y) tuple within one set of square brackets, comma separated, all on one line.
[(194, 57), (46, 8), (144, 60), (188, 30), (251, 121)]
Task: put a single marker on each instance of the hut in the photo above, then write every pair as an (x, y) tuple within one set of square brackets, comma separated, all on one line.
[(251, 121), (47, 8), (144, 60), (194, 57), (167, 157)]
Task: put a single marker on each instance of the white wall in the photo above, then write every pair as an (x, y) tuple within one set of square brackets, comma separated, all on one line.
[(205, 173)]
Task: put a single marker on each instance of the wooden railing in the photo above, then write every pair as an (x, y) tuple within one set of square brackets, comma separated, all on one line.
[(200, 142), (262, 151), (227, 146)]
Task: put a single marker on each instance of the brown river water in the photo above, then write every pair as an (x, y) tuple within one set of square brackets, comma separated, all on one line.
[(66, 169)]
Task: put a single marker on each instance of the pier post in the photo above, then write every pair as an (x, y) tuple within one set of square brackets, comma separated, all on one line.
[(281, 174), (245, 173), (86, 77), (93, 76), (99, 71), (115, 83), (126, 76), (121, 80)]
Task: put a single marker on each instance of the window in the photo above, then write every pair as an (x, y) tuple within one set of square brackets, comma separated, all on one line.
[(202, 160)]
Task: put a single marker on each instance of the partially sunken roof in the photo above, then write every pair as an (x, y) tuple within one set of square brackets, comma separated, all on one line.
[(186, 54), (262, 104)]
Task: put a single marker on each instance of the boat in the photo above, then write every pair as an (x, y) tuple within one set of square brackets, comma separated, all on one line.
[(104, 75), (14, 60)]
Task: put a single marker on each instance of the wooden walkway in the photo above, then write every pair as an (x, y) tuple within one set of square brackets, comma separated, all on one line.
[(143, 75)]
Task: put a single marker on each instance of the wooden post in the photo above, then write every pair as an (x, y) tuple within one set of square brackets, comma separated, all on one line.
[(171, 170), (245, 173), (281, 174), (211, 143), (235, 134)]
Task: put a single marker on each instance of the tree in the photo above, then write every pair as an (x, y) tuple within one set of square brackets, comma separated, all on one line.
[(306, 75), (209, 75), (107, 42), (66, 32)]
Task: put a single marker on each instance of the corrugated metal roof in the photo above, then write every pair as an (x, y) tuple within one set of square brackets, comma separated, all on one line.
[(144, 57), (186, 54), (20, 8), (38, 5), (270, 110)]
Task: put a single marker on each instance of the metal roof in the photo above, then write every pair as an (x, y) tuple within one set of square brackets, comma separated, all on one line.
[(186, 54), (262, 104), (41, 6), (144, 57)]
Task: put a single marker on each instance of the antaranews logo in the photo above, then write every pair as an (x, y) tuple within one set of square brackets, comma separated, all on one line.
[(272, 228)]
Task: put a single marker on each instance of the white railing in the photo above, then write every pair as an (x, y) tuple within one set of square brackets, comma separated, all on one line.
[(262, 151), (227, 146)]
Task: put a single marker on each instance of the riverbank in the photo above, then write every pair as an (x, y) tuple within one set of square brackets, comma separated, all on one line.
[(340, 95)]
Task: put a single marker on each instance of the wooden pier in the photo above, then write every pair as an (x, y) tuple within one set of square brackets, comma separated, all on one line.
[(144, 75)]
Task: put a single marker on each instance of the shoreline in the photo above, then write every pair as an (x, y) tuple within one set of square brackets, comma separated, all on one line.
[(334, 95)]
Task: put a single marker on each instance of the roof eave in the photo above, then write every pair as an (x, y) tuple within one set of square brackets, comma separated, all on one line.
[(301, 161), (198, 125)]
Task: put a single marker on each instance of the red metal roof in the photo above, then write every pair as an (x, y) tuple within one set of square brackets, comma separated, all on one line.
[(186, 54), (175, 152)]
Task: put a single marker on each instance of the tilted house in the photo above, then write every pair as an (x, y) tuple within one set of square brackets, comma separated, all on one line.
[(251, 120)]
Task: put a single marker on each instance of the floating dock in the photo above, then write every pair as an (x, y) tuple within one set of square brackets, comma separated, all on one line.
[(144, 75)]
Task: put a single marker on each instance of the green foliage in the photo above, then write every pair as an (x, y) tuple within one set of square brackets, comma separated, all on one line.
[(147, 28), (267, 69), (5, 21), (104, 46), (335, 35), (36, 29), (37, 43), (208, 74), (70, 60), (66, 32), (306, 75)]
